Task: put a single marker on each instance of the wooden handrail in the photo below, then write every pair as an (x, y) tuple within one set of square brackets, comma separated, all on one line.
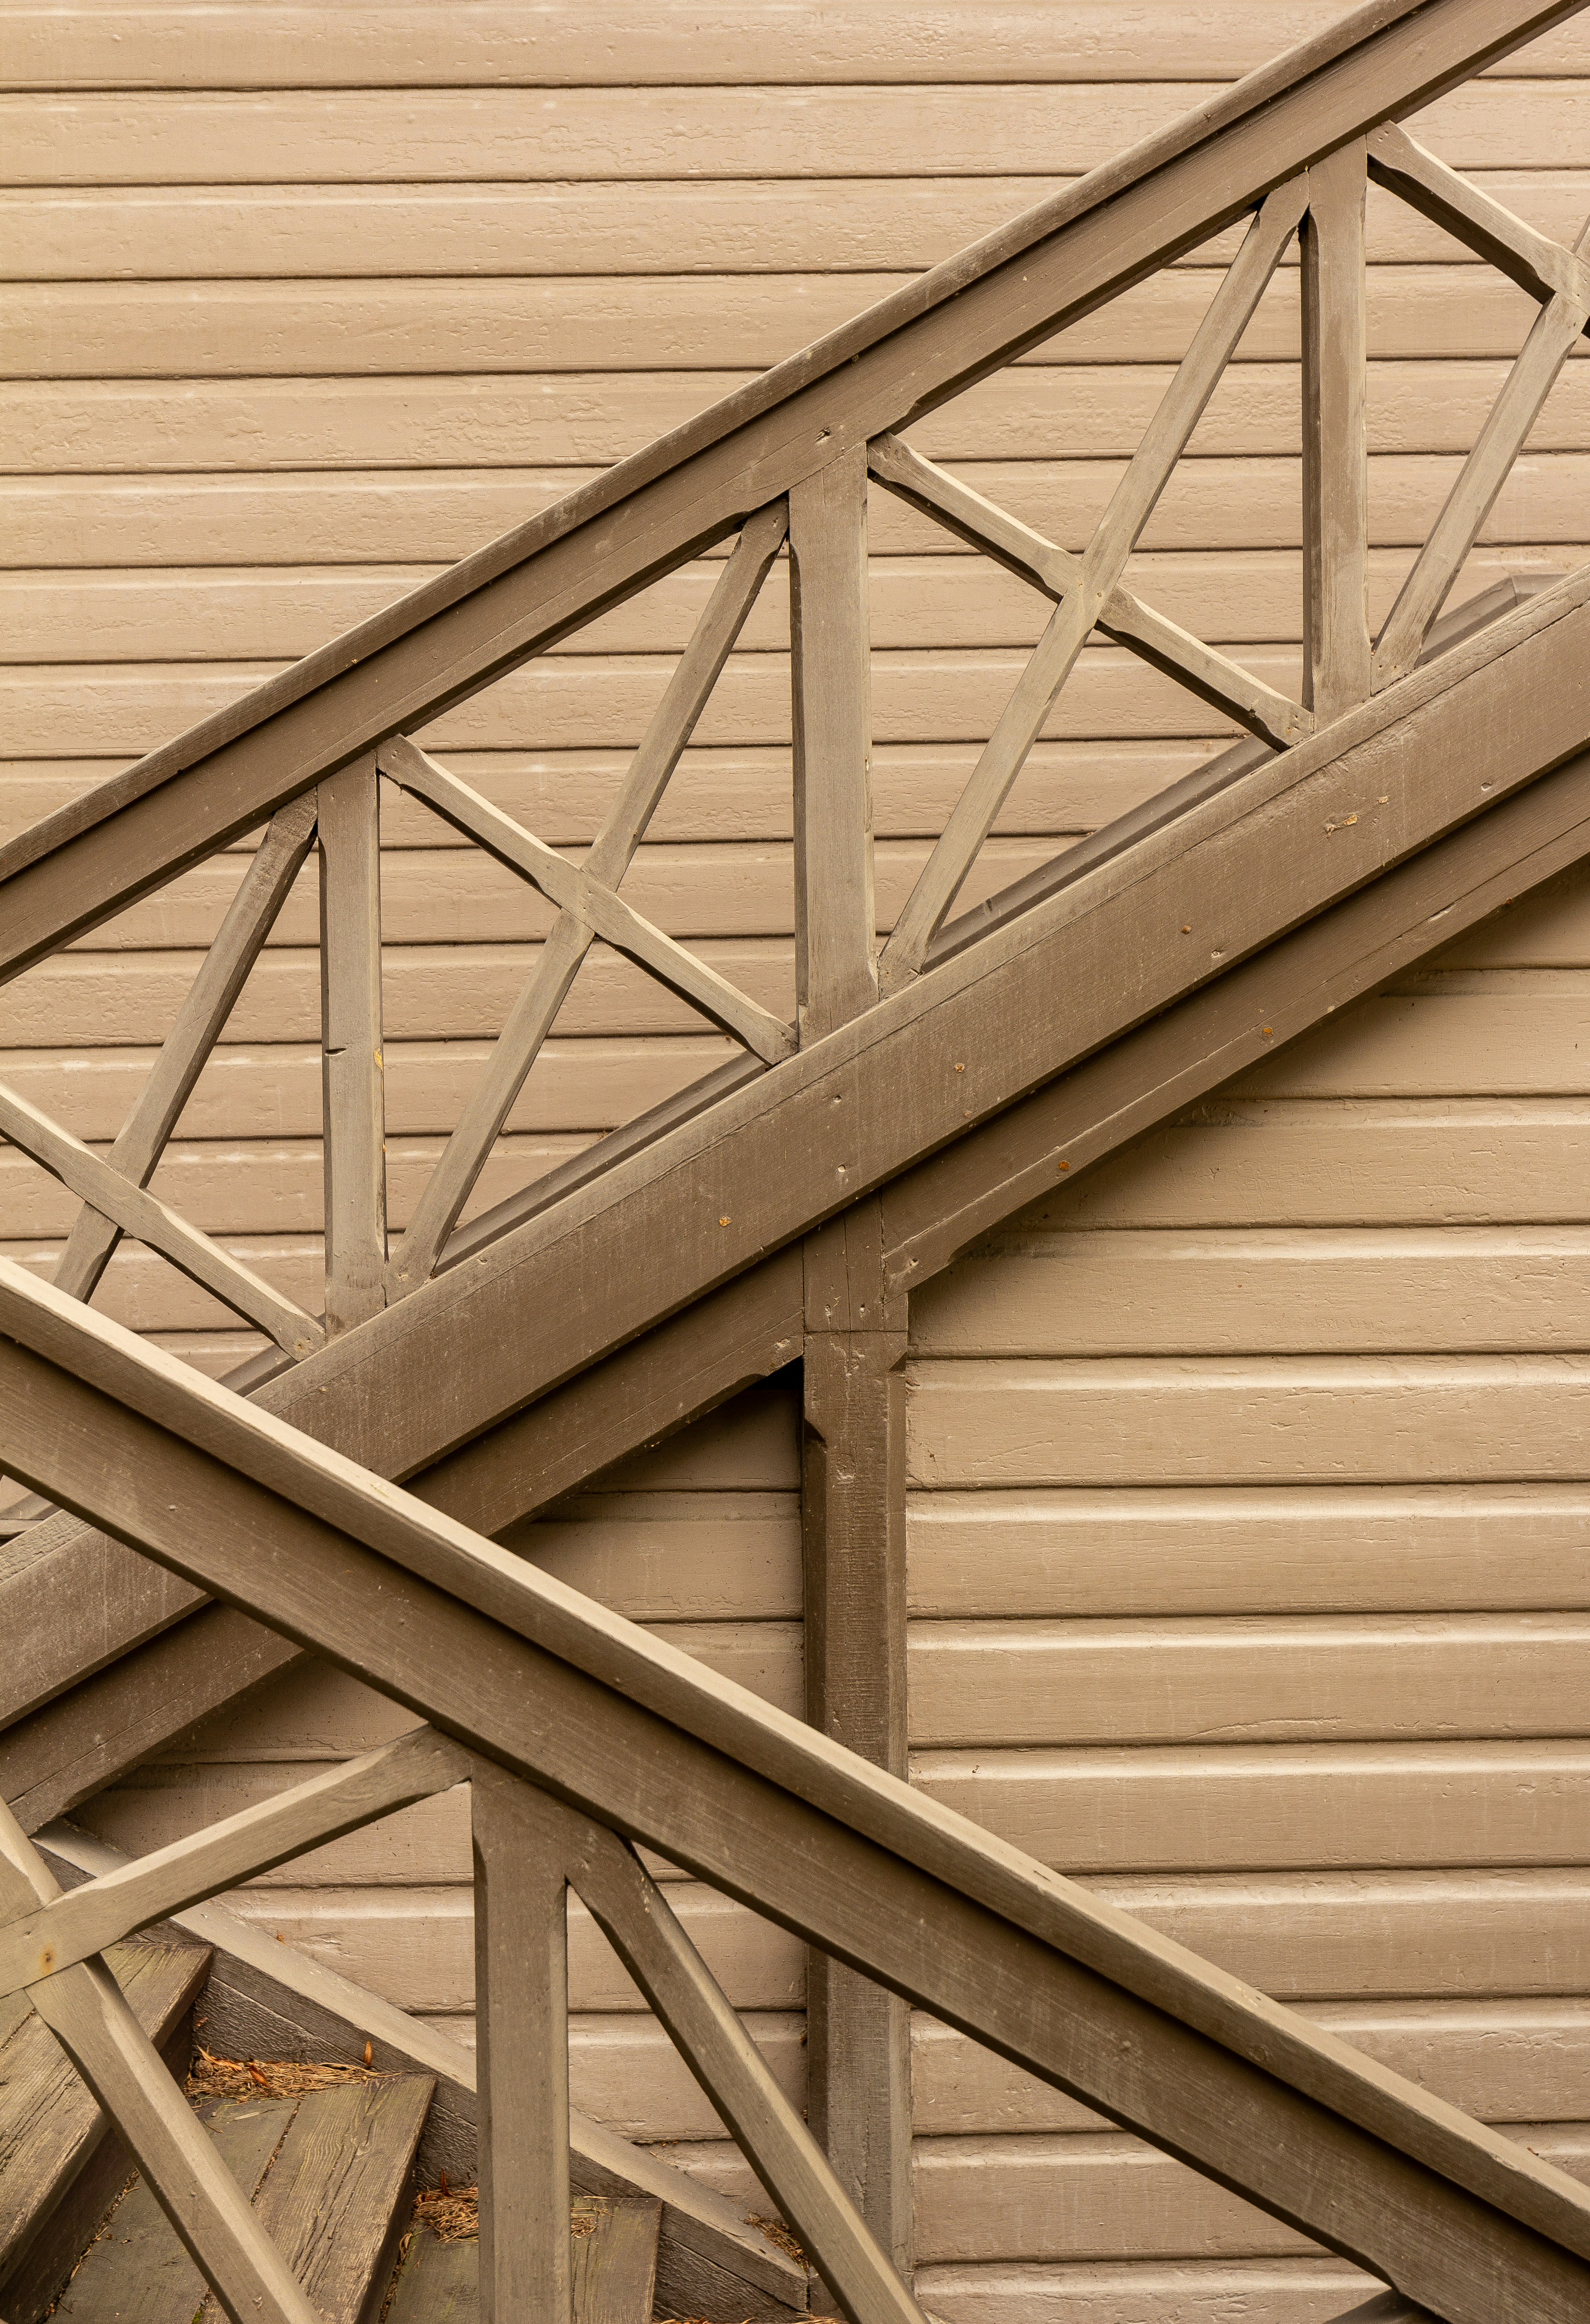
[(899, 359), (625, 1728)]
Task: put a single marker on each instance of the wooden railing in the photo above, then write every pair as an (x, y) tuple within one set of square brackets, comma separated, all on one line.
[(584, 1738), (786, 463)]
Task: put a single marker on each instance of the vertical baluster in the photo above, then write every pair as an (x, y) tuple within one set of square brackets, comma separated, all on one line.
[(835, 969), (352, 1077), (1336, 448), (522, 2040), (853, 1534)]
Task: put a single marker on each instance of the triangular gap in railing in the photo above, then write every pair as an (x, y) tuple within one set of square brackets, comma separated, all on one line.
[(895, 362)]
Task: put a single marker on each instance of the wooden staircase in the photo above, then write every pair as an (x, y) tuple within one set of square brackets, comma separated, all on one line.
[(785, 1206)]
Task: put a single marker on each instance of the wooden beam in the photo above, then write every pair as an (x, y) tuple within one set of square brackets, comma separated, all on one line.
[(1533, 260), (132, 1211), (89, 2015), (830, 662), (771, 1161), (521, 2020), (1335, 440), (853, 1551), (353, 1073), (37, 1942), (635, 1733), (644, 1930), (585, 900), (1556, 330), (904, 357), (200, 1020)]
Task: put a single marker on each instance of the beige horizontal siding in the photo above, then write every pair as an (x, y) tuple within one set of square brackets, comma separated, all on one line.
[(846, 225), (531, 419), (375, 136), (407, 42)]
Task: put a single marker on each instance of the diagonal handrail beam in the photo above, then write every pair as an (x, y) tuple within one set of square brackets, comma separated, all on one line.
[(901, 359), (623, 1725)]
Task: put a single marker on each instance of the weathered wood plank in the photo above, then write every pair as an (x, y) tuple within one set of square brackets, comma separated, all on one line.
[(352, 1067), (522, 2018), (852, 1540), (641, 1927), (830, 648), (359, 47), (1336, 445)]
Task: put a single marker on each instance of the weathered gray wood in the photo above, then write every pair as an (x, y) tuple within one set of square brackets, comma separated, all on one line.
[(1055, 657), (631, 1730), (136, 2271), (614, 2258), (853, 1543), (1552, 338), (830, 654), (211, 997), (132, 1211), (1335, 443), (439, 2283), (61, 2164), (1531, 259), (88, 2015), (964, 318), (712, 2263), (585, 902), (75, 1927), (530, 1020), (336, 2198), (521, 2021), (352, 1071), (642, 1929)]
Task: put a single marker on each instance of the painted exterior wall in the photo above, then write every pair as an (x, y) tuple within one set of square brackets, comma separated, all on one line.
[(1249, 1527)]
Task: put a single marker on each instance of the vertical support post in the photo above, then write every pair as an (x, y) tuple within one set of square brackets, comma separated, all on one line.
[(522, 2046), (1335, 443), (852, 1528), (836, 968), (352, 1073)]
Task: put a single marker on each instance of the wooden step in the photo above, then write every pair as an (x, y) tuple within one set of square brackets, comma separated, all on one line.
[(328, 2174), (613, 2250), (61, 2163)]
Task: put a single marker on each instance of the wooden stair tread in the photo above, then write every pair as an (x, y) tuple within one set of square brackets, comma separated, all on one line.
[(615, 2268), (52, 2129), (135, 2272), (328, 2174)]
